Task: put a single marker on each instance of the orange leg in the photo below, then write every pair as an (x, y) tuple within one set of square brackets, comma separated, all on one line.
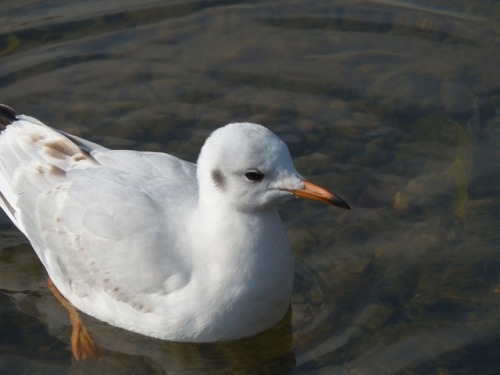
[(82, 344)]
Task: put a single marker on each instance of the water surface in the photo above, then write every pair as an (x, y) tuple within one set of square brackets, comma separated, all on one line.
[(392, 104)]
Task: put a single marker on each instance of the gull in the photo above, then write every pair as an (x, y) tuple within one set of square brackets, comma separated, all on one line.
[(151, 243)]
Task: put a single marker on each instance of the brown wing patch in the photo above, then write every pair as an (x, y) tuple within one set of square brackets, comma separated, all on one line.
[(55, 170), (40, 169), (60, 148), (79, 157)]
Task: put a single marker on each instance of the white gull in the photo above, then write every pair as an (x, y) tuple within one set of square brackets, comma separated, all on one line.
[(152, 243)]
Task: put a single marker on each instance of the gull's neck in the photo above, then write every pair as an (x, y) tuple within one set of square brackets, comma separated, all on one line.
[(245, 263)]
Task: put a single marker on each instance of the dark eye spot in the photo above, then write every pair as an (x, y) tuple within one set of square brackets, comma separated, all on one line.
[(254, 176), (218, 178)]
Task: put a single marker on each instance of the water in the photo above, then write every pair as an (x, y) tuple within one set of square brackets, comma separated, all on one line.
[(392, 104)]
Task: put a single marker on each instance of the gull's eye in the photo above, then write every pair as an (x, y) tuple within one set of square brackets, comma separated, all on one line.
[(254, 176)]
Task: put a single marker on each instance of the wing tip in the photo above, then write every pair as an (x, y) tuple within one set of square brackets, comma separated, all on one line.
[(7, 116)]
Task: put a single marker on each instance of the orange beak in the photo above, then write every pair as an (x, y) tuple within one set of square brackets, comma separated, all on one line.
[(315, 192)]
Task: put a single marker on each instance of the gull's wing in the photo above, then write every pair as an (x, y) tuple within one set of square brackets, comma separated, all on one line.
[(97, 218)]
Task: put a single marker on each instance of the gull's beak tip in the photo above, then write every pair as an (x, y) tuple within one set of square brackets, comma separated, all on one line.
[(339, 202)]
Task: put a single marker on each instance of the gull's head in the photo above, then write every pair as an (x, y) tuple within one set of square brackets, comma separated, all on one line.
[(249, 167)]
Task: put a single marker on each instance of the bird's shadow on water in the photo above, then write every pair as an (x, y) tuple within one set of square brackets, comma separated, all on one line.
[(127, 352)]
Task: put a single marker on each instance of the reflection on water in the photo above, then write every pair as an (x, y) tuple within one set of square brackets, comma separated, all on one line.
[(393, 104)]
